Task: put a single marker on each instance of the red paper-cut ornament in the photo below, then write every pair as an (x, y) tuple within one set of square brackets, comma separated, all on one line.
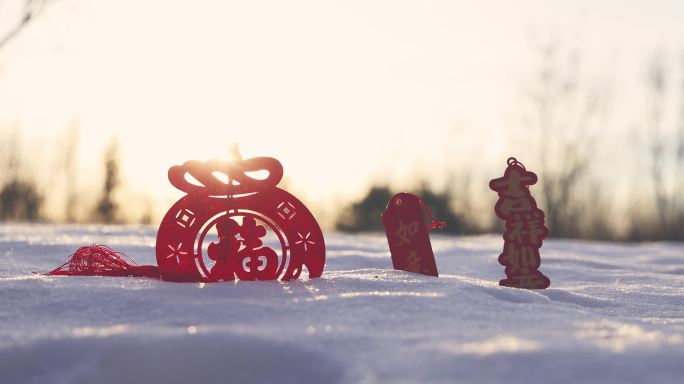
[(232, 225), (525, 228), (407, 234)]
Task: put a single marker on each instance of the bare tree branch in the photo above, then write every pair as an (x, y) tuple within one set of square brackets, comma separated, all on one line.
[(32, 9)]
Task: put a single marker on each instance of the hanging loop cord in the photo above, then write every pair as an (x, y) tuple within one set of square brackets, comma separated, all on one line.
[(434, 223), (513, 162)]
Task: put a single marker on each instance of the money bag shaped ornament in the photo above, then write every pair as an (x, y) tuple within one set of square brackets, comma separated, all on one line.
[(407, 234), (525, 228), (230, 225)]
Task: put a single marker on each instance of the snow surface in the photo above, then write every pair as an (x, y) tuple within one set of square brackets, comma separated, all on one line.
[(614, 314)]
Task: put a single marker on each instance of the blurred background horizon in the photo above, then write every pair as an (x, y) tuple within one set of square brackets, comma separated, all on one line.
[(357, 99)]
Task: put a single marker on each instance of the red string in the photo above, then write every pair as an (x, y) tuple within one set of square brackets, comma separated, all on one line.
[(434, 223), (100, 260), (513, 161)]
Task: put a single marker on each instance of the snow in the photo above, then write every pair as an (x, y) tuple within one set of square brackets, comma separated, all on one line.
[(614, 314)]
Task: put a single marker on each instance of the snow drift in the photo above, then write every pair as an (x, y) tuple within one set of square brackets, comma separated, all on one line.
[(614, 314)]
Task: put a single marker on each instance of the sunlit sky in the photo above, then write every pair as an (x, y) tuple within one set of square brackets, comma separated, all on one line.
[(342, 92)]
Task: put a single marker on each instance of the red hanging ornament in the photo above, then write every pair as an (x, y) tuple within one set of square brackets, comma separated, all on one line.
[(525, 228), (217, 231), (225, 226), (407, 234)]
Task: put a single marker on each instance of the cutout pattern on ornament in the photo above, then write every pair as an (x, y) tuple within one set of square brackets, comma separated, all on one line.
[(525, 228), (231, 225)]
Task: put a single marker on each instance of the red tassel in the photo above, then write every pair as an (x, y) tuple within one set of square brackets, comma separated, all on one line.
[(407, 234), (100, 260)]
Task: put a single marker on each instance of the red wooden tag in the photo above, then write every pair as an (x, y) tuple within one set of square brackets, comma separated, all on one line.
[(407, 235)]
